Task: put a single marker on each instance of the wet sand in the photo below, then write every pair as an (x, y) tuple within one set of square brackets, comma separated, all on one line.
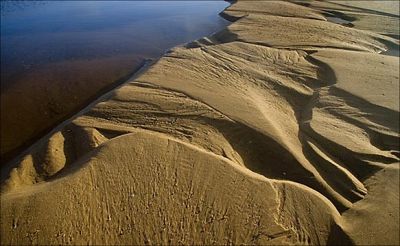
[(282, 128)]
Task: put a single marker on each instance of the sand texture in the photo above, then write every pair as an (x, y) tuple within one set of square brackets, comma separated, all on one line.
[(281, 129)]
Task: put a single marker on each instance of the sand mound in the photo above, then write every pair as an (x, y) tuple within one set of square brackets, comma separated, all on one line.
[(51, 156), (227, 141), (378, 16), (294, 33), (182, 195)]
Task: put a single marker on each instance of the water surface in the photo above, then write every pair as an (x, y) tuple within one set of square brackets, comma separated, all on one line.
[(36, 33)]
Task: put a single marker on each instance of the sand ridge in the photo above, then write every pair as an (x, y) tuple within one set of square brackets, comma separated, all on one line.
[(264, 133)]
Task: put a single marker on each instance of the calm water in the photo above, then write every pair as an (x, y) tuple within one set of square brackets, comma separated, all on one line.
[(37, 33)]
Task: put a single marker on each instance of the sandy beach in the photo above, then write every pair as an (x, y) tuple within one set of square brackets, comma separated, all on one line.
[(281, 129)]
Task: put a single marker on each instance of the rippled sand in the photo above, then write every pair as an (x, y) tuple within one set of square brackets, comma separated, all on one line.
[(281, 129)]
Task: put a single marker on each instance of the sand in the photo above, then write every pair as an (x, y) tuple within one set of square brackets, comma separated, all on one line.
[(281, 129)]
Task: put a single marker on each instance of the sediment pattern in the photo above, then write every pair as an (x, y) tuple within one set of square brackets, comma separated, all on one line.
[(280, 129)]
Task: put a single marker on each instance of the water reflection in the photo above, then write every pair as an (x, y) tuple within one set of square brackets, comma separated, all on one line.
[(34, 33)]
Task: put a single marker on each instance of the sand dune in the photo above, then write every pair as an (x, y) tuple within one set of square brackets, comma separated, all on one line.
[(281, 129)]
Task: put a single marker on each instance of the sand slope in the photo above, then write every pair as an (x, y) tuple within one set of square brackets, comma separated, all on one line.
[(281, 129), (182, 194), (378, 16), (274, 8)]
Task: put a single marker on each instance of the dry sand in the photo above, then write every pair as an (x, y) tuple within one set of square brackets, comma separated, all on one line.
[(281, 129)]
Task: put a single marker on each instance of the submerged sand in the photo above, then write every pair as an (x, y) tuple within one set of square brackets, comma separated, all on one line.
[(281, 129)]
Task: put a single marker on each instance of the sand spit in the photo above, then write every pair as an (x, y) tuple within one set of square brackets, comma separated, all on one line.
[(281, 129)]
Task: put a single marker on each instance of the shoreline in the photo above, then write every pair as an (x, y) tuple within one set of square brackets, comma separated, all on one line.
[(279, 117), (8, 164), (16, 155), (22, 150), (53, 91)]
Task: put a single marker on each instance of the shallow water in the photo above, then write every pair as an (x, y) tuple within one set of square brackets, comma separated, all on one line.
[(338, 20), (35, 33), (392, 51)]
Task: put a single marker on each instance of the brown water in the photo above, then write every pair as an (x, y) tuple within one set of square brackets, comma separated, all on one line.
[(56, 56)]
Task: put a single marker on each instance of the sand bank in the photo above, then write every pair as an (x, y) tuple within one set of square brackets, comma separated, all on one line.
[(280, 129)]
